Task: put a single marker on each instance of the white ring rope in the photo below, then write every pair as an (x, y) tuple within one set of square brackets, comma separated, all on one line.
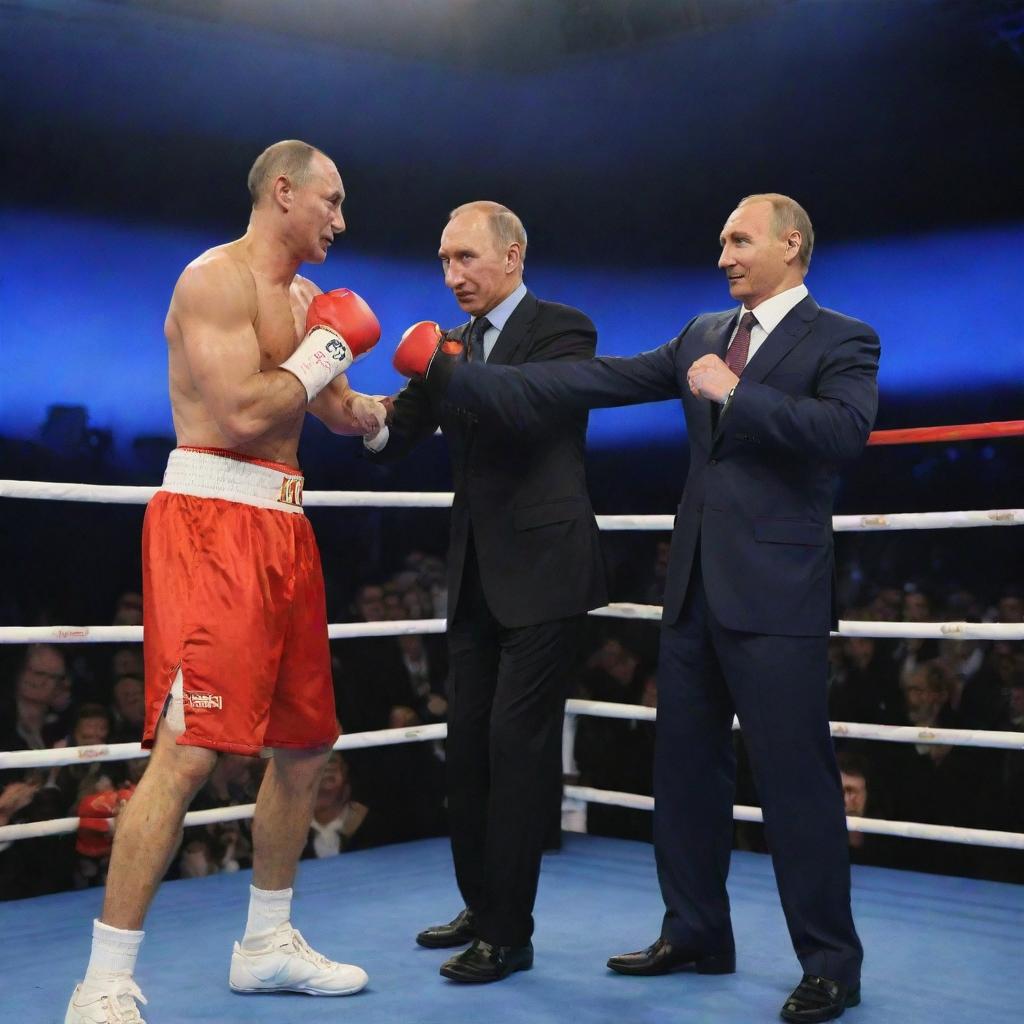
[(122, 495), (603, 709), (851, 627), (877, 826), (928, 520), (844, 730), (616, 610), (55, 757), (127, 751), (39, 490)]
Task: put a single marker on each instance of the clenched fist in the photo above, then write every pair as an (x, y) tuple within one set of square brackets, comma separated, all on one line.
[(709, 377)]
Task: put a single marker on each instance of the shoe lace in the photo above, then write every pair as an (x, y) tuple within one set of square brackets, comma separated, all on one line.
[(120, 1003), (307, 952)]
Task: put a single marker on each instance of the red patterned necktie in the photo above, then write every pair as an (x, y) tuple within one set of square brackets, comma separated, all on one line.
[(736, 357)]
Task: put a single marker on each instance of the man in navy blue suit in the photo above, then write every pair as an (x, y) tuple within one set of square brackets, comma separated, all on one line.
[(776, 394)]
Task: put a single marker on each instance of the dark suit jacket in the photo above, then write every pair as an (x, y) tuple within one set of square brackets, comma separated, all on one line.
[(523, 494), (758, 496)]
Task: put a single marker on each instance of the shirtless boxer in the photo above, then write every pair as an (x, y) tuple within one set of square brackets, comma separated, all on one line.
[(235, 621)]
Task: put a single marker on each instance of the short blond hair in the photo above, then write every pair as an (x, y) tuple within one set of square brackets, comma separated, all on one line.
[(506, 227), (787, 215), (290, 157)]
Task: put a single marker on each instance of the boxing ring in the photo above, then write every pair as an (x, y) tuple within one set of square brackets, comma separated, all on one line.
[(937, 948)]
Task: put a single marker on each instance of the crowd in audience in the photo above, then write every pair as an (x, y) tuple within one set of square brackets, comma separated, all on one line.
[(90, 695)]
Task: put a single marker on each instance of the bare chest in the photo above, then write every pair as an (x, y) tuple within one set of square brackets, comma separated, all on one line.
[(280, 318)]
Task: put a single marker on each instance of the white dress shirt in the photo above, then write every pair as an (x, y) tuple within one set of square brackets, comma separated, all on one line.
[(498, 317), (769, 314)]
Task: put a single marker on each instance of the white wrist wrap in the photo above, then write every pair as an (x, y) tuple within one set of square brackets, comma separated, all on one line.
[(322, 355)]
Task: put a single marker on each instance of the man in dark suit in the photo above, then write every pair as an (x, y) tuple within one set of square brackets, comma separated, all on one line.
[(776, 394), (524, 566)]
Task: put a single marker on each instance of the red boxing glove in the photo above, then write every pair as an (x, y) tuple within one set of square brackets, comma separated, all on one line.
[(340, 327), (419, 345), (95, 813), (346, 313)]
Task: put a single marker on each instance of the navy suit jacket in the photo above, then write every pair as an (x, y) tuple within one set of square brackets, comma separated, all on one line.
[(757, 504), (522, 493)]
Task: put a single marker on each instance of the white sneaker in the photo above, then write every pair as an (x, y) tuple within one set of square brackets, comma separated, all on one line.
[(289, 964), (111, 1002)]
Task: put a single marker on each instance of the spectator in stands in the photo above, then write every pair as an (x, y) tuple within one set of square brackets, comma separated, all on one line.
[(1010, 605), (14, 797), (887, 604), (391, 682), (977, 698), (198, 857), (430, 577), (337, 818), (864, 685), (128, 609), (127, 661), (859, 798), (910, 652), (235, 780), (928, 690), (655, 589), (100, 804), (60, 717), (616, 754), (33, 867), (129, 707), (74, 781), (940, 783), (1013, 765), (35, 683)]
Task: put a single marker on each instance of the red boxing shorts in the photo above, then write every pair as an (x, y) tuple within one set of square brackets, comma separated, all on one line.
[(233, 598)]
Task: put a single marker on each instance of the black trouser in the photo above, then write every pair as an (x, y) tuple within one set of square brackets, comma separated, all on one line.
[(506, 702), (777, 686)]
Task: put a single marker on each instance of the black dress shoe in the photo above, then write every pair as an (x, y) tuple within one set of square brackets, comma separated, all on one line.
[(816, 999), (663, 957), (484, 962), (454, 933)]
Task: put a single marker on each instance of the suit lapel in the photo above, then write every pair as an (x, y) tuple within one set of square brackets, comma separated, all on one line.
[(462, 333), (716, 341), (516, 331), (794, 326)]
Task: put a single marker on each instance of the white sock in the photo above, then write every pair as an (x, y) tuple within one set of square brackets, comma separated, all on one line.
[(268, 909), (114, 951)]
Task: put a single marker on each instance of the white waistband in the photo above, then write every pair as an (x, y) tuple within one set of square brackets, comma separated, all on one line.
[(211, 475)]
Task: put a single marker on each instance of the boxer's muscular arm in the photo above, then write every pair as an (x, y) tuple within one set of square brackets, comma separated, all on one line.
[(346, 411), (214, 307)]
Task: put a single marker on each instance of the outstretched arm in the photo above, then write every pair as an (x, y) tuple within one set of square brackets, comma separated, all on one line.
[(525, 398)]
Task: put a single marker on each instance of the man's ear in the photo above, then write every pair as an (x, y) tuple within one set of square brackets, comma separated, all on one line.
[(283, 193), (793, 242)]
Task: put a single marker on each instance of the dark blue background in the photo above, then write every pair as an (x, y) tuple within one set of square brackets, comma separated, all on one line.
[(623, 133)]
